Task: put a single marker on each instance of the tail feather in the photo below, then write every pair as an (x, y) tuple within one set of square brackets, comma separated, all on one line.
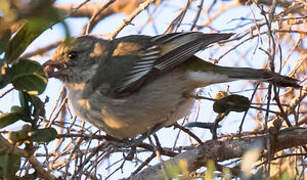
[(217, 74), (259, 74)]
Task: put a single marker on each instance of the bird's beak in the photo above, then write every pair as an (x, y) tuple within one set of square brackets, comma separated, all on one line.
[(53, 68)]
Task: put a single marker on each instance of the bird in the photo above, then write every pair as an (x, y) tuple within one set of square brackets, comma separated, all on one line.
[(134, 84)]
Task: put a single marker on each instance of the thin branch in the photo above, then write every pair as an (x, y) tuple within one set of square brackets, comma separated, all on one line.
[(200, 8), (94, 18), (128, 20), (35, 163)]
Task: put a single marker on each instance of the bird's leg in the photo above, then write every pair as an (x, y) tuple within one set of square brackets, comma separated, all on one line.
[(130, 154), (133, 143)]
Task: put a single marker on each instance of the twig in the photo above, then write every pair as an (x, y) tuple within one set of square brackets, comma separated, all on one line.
[(35, 163), (41, 50), (177, 21), (163, 151), (245, 113), (74, 10), (56, 102), (6, 92), (146, 162), (220, 11), (200, 7), (126, 21), (89, 157), (58, 112), (188, 132), (93, 20)]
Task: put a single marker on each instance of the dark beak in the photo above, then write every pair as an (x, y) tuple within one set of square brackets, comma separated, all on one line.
[(53, 68)]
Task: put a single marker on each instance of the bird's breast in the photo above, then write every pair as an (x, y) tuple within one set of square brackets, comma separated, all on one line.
[(159, 102)]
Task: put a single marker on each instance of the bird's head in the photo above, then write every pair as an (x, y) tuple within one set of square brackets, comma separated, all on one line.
[(76, 59)]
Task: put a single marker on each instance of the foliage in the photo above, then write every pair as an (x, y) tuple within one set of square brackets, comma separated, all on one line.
[(26, 76)]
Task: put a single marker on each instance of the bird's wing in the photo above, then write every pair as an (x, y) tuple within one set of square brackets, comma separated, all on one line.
[(164, 53), (140, 69)]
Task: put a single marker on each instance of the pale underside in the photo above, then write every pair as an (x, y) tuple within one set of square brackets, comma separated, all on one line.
[(133, 115)]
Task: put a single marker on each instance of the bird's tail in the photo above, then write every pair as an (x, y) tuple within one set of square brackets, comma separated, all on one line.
[(260, 75), (207, 73)]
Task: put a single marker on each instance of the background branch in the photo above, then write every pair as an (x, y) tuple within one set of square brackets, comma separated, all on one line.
[(225, 149)]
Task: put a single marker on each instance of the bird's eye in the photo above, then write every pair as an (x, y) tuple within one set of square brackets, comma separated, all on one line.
[(72, 54)]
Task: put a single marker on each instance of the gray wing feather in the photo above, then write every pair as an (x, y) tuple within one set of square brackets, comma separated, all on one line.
[(166, 52), (141, 68), (181, 46)]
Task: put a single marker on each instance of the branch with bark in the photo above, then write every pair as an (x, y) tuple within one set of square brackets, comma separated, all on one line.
[(226, 149)]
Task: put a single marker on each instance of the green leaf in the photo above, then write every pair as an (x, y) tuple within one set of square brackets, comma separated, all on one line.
[(34, 22), (9, 165), (231, 103), (4, 39), (4, 75), (9, 118), (43, 135), (42, 17), (24, 37), (15, 109), (4, 81), (3, 148), (39, 106), (25, 100), (32, 106), (28, 76), (31, 29)]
